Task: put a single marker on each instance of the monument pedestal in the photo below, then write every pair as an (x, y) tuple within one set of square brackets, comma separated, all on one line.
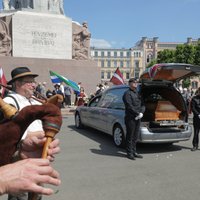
[(85, 71), (43, 41), (37, 35)]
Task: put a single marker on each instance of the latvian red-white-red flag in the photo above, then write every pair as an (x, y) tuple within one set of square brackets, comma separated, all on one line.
[(117, 78), (3, 81)]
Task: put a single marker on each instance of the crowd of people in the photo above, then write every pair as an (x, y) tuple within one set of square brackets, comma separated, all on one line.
[(16, 179), (192, 100)]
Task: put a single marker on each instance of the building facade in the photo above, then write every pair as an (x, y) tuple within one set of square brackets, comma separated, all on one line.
[(129, 61), (151, 46), (133, 61)]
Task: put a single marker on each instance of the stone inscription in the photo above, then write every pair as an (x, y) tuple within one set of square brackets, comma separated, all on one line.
[(43, 38)]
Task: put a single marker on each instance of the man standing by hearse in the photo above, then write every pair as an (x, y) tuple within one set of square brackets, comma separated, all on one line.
[(195, 107), (134, 109)]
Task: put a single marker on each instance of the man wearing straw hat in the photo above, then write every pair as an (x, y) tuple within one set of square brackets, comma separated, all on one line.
[(23, 87)]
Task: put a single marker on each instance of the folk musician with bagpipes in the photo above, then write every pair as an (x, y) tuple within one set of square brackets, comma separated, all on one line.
[(14, 144)]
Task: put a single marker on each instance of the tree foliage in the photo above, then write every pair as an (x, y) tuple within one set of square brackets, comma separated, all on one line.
[(197, 54), (186, 83), (166, 56), (153, 62), (184, 53)]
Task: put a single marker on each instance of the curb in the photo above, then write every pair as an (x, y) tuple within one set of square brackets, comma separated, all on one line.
[(68, 111)]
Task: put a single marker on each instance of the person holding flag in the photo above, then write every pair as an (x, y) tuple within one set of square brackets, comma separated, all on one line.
[(57, 79)]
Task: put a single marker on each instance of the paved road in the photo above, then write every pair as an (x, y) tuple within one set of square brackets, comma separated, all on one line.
[(92, 168)]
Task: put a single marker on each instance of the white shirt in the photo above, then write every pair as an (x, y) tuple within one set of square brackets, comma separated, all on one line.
[(62, 89), (23, 102)]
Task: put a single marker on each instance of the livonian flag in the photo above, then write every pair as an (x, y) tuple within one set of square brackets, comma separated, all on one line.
[(117, 78), (3, 81), (57, 78)]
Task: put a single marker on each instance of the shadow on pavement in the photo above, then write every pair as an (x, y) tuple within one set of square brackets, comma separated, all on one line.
[(107, 147)]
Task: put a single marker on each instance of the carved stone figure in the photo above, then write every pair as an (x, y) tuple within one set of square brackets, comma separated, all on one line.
[(5, 39), (6, 4), (62, 7), (27, 3), (81, 42), (14, 4), (56, 6), (78, 52), (5, 43), (85, 36)]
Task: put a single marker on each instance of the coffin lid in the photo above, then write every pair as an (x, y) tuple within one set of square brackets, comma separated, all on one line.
[(170, 72)]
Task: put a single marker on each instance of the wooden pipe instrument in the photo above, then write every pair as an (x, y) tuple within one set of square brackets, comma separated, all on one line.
[(56, 99), (16, 122), (11, 130)]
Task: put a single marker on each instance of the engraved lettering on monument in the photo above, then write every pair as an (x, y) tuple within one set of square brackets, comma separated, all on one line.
[(39, 29), (39, 38), (44, 38)]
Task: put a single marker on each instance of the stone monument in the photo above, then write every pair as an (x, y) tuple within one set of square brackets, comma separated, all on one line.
[(38, 29), (36, 33)]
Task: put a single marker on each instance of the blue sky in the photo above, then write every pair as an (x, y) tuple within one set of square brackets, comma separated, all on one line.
[(121, 23)]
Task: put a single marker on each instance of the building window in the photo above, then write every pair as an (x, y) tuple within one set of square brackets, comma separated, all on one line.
[(108, 54), (128, 63), (136, 74), (149, 57), (102, 63), (137, 70), (102, 75), (127, 75), (136, 54), (109, 63), (115, 64), (121, 63), (108, 75), (96, 54), (150, 46), (102, 54), (194, 85), (128, 54), (121, 54), (115, 54), (136, 65)]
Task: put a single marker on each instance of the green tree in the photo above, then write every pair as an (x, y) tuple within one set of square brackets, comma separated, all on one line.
[(185, 53), (186, 83), (166, 56), (197, 54), (153, 62), (179, 54), (189, 53)]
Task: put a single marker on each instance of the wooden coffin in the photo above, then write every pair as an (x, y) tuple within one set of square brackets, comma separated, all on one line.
[(166, 111)]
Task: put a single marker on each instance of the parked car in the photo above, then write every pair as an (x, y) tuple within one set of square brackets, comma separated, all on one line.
[(165, 119)]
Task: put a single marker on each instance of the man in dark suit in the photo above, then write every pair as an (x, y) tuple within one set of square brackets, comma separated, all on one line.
[(134, 109)]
